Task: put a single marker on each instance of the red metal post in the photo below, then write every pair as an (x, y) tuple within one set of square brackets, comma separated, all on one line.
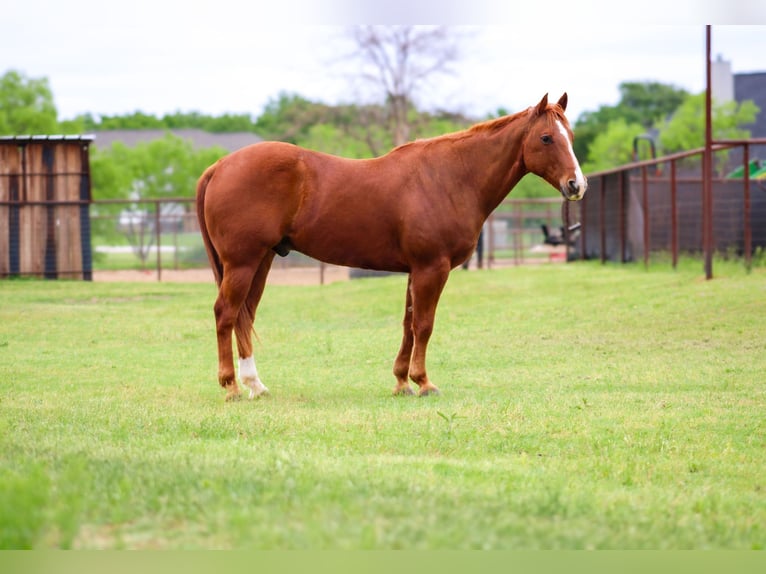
[(520, 228), (748, 230), (707, 175), (583, 225), (645, 201), (623, 229), (602, 217), (491, 240), (159, 234), (673, 214)]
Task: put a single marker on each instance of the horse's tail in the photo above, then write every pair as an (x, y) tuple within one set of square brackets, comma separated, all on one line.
[(212, 254)]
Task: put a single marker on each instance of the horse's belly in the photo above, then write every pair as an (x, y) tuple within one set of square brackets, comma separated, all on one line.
[(352, 246)]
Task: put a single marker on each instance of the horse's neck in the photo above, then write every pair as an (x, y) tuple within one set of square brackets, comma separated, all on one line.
[(494, 160)]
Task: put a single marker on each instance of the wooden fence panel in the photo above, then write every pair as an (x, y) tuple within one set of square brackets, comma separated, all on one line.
[(10, 168), (68, 163)]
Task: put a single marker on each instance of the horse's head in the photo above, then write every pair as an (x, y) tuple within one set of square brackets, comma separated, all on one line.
[(548, 149)]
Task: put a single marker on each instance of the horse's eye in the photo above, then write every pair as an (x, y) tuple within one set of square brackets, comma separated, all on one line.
[(546, 139)]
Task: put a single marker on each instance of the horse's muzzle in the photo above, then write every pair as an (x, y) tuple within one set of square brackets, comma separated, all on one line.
[(574, 190)]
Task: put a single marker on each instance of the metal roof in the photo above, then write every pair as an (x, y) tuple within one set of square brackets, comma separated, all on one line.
[(35, 138)]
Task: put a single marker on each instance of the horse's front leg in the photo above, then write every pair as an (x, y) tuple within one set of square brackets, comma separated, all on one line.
[(426, 288), (402, 362)]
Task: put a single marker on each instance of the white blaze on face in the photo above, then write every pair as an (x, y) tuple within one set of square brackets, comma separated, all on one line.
[(579, 177), (248, 374)]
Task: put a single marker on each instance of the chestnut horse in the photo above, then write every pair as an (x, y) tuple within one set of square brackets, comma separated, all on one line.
[(418, 209)]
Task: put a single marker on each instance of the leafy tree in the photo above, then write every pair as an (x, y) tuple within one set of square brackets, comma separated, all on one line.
[(26, 105), (686, 129), (226, 123), (135, 121), (289, 118), (642, 103), (329, 138), (168, 167), (613, 146), (646, 102)]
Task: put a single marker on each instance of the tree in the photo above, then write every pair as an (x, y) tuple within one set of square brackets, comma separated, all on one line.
[(167, 167), (686, 129), (138, 120), (642, 103), (398, 61), (645, 103), (289, 118), (226, 123), (26, 105), (613, 146), (329, 138)]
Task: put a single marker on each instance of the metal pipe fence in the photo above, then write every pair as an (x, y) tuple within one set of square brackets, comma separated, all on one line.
[(163, 234), (657, 208)]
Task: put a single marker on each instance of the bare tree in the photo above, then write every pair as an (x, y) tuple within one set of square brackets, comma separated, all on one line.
[(399, 60)]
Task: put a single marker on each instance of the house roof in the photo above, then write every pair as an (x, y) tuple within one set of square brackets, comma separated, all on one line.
[(199, 138), (752, 86)]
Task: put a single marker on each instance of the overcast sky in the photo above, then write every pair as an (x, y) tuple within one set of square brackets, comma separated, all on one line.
[(235, 55)]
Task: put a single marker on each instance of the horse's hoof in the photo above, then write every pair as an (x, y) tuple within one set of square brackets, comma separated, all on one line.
[(429, 391), (261, 395), (255, 387), (404, 391), (232, 392)]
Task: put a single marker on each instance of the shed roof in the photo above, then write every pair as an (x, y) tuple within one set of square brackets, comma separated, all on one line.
[(36, 138)]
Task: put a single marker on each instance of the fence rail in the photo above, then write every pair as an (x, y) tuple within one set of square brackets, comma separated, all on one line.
[(163, 234)]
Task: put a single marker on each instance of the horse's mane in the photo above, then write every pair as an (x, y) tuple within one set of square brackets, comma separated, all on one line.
[(553, 113)]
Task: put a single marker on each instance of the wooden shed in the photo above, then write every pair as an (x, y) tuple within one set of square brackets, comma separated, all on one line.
[(45, 193)]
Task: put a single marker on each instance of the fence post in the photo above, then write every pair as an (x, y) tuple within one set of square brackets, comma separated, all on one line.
[(673, 214), (602, 217), (707, 166), (645, 196), (158, 231), (748, 230), (491, 240)]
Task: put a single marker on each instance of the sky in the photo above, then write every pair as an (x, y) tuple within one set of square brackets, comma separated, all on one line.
[(234, 56)]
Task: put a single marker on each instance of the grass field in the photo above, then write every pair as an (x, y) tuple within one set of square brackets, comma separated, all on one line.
[(582, 407)]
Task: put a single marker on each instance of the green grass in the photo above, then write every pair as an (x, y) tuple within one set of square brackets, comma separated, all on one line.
[(582, 406)]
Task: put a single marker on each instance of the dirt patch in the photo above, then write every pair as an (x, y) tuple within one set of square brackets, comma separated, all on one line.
[(277, 276)]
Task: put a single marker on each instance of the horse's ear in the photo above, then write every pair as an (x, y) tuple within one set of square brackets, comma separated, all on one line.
[(563, 102), (542, 106)]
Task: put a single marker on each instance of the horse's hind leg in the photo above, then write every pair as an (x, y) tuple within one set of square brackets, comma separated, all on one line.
[(243, 329), (234, 289), (402, 362)]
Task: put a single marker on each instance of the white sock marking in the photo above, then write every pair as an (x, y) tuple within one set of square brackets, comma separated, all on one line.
[(248, 374)]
